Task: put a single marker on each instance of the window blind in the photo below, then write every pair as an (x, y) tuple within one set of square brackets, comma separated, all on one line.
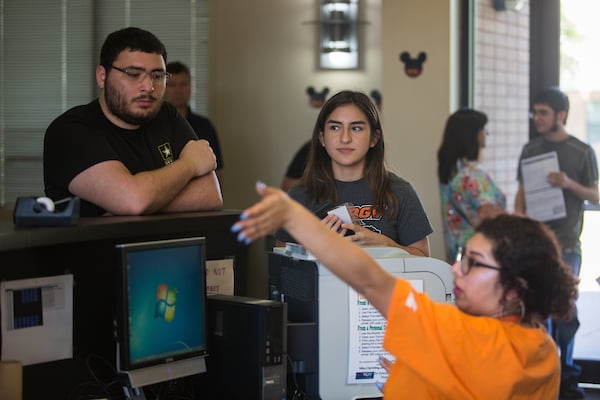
[(48, 54)]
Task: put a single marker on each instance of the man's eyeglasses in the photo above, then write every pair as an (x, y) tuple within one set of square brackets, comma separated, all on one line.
[(466, 262), (139, 74), (541, 113)]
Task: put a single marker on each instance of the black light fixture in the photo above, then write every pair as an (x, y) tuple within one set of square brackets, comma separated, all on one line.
[(338, 34), (503, 5)]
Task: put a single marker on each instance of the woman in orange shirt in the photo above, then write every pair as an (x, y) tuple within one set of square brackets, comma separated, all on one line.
[(492, 345)]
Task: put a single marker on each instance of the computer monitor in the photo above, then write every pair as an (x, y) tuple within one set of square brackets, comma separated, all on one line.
[(161, 316)]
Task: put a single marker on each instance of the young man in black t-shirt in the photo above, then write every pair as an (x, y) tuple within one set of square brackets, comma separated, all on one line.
[(128, 152)]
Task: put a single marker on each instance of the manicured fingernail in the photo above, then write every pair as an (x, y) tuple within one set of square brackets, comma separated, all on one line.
[(260, 185), (241, 237), (244, 215), (248, 241), (379, 385), (236, 228)]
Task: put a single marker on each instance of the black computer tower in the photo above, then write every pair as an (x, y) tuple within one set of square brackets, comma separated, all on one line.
[(296, 282), (247, 346)]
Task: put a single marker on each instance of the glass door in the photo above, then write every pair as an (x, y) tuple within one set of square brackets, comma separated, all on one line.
[(579, 78)]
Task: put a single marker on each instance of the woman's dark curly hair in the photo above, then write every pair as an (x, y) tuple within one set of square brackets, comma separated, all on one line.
[(531, 264)]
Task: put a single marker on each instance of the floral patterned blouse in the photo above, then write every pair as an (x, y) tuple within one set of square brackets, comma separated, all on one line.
[(470, 188)]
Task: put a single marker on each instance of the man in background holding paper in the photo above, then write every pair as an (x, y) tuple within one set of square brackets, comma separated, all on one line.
[(576, 175)]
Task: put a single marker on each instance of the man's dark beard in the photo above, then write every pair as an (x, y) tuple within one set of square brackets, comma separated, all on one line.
[(554, 127), (117, 105)]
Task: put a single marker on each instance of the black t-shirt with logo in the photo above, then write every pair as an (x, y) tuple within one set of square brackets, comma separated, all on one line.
[(82, 137)]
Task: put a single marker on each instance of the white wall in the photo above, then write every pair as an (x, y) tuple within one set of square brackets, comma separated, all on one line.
[(415, 109)]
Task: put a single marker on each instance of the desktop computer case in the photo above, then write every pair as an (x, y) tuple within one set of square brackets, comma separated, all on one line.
[(247, 348)]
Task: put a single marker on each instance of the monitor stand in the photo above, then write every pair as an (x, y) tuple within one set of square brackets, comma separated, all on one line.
[(132, 393)]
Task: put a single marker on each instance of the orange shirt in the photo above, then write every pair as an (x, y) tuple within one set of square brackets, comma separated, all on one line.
[(443, 353)]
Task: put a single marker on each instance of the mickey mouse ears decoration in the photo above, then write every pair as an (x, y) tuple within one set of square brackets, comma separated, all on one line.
[(413, 66), (377, 98), (316, 99)]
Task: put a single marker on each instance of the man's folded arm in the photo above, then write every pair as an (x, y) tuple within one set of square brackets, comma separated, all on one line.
[(111, 186), (200, 194)]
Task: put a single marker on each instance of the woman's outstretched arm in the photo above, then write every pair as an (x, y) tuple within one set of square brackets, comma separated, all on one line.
[(346, 260)]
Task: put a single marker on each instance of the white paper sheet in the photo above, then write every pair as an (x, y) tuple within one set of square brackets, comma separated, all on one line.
[(343, 213), (543, 201), (220, 276), (366, 329), (37, 319)]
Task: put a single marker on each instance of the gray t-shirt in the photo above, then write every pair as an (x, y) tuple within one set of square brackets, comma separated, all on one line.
[(410, 225), (578, 160)]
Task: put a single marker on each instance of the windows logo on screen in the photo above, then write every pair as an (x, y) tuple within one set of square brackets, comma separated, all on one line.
[(165, 302)]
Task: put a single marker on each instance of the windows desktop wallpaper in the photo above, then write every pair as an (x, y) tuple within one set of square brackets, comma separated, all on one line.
[(166, 303)]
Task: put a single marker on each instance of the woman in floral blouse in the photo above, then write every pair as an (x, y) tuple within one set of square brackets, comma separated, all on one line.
[(468, 193)]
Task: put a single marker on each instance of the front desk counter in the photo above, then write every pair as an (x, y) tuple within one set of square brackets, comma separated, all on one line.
[(87, 251)]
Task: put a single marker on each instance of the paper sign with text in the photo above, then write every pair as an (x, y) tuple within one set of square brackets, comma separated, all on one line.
[(219, 276)]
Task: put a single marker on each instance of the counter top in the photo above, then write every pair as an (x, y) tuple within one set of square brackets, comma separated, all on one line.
[(99, 228)]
